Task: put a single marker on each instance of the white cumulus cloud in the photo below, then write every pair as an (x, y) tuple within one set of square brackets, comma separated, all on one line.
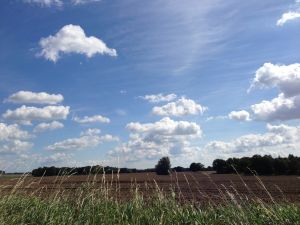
[(88, 139), (161, 138), (12, 139), (92, 119), (166, 127), (45, 3), (15, 147), (72, 39), (181, 107), (289, 16), (91, 131), (286, 105), (25, 97), (8, 132), (42, 127), (26, 115), (159, 98), (284, 77), (279, 108), (242, 115), (58, 158), (276, 140), (82, 2)]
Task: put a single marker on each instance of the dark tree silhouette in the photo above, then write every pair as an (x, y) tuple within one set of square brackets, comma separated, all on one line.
[(179, 169), (163, 166), (261, 165), (220, 166), (281, 166), (196, 167)]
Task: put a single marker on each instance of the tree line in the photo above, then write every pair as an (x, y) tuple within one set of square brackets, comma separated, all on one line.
[(261, 165), (162, 168), (60, 171)]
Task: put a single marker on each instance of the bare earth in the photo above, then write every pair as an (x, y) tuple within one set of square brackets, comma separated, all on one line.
[(200, 186)]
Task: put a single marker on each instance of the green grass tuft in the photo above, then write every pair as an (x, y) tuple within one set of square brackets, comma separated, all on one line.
[(94, 205), (20, 209)]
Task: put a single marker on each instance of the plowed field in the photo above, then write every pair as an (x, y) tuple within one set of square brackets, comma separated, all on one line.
[(200, 186)]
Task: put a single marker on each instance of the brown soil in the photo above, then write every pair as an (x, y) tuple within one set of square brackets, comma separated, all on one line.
[(202, 187)]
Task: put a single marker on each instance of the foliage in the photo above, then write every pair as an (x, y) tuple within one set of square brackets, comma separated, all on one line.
[(60, 171), (262, 165), (179, 169), (90, 208), (163, 166), (196, 167)]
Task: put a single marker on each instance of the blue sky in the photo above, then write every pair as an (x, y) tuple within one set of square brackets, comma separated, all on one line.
[(126, 82)]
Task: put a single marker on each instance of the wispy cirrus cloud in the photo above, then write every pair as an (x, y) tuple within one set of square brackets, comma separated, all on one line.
[(186, 34)]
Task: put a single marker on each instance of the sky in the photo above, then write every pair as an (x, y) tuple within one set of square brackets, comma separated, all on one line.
[(124, 83)]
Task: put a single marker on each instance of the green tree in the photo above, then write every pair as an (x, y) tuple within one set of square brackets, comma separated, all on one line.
[(196, 167), (220, 166), (163, 166)]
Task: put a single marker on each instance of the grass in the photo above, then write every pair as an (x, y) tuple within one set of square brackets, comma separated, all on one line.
[(90, 205)]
